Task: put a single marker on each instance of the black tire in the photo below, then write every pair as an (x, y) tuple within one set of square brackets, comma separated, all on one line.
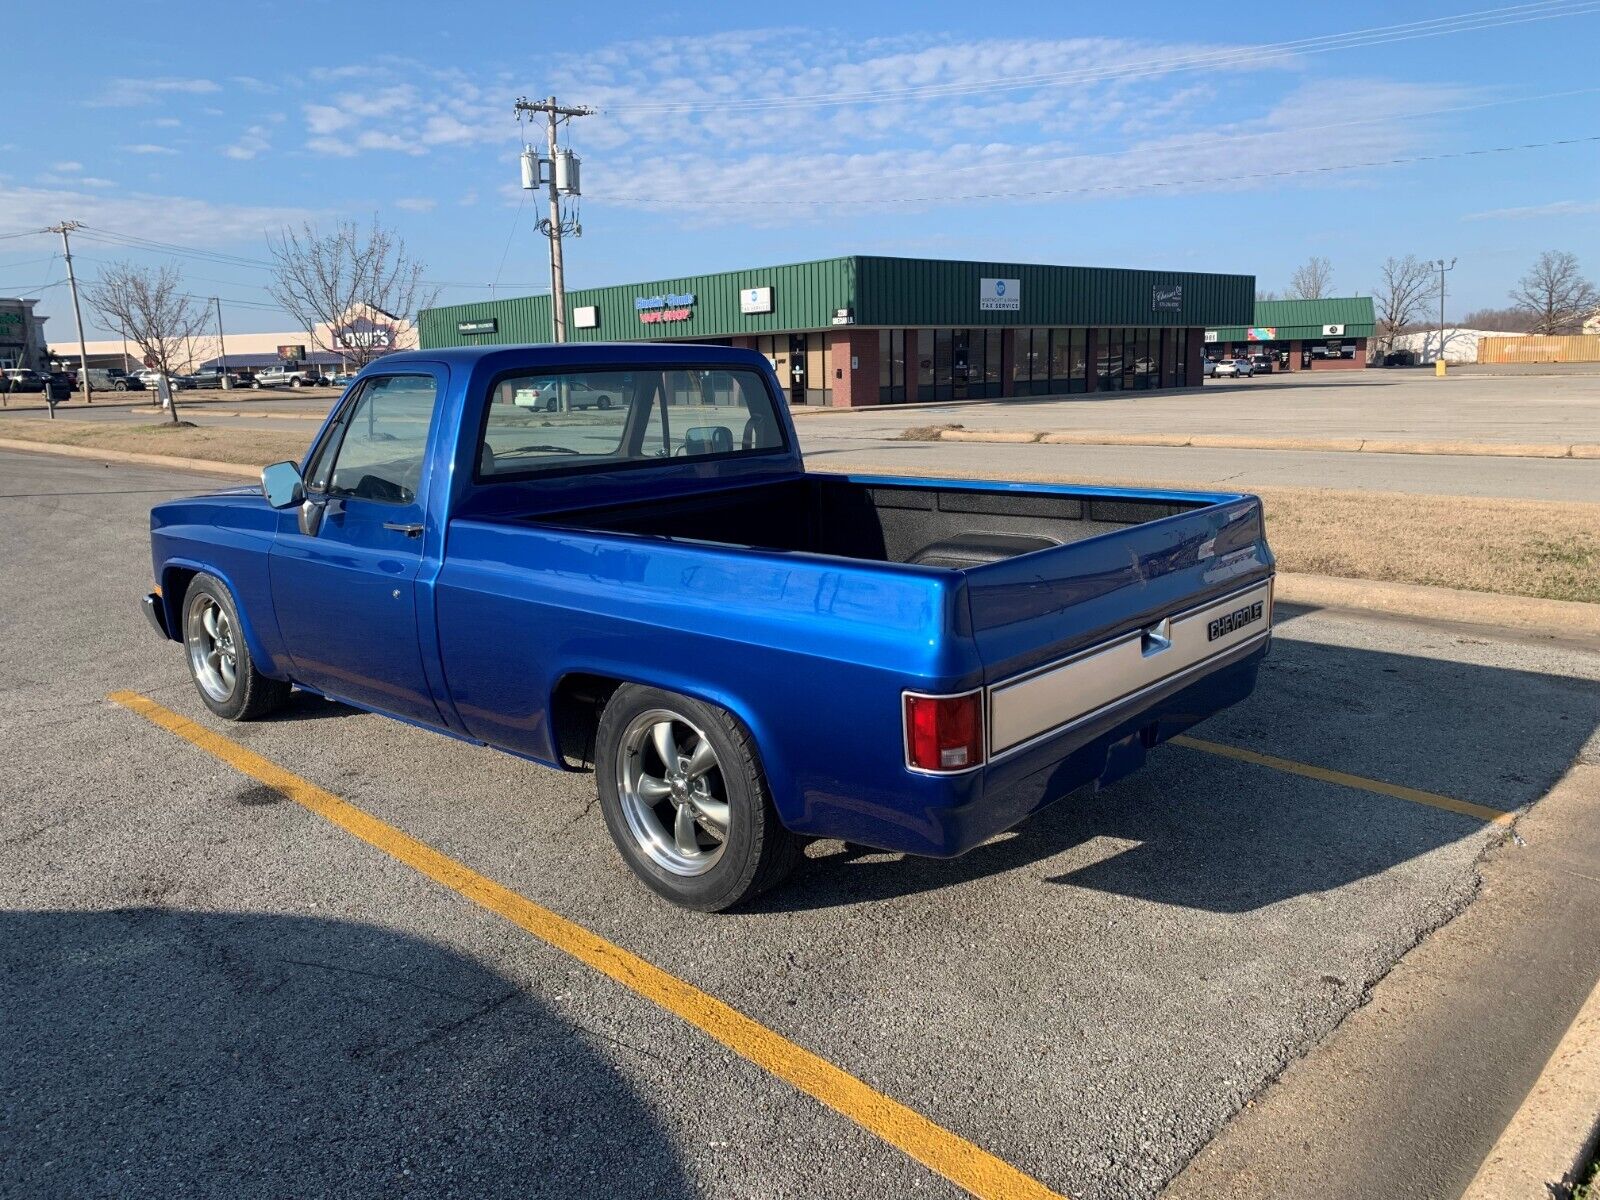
[(253, 695), (119, 387), (295, 382), (552, 404), (757, 851), (604, 402), (256, 384)]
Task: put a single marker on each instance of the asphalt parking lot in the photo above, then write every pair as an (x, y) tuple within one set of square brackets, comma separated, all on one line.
[(210, 988)]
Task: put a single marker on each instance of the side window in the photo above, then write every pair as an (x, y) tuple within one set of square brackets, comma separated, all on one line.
[(382, 442)]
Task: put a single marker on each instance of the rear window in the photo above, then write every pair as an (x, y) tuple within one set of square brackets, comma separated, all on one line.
[(574, 420)]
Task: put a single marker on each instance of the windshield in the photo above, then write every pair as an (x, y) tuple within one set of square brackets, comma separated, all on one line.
[(602, 419)]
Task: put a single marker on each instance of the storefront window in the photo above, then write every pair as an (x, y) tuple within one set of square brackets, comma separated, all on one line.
[(1060, 359), (924, 363), (1077, 380), (1144, 362), (991, 362), (1021, 359)]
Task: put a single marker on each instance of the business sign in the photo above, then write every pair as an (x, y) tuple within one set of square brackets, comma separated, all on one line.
[(999, 295), (585, 316), (844, 316), (292, 353), (1267, 333), (366, 334), (1166, 297), (653, 310), (487, 325), (1333, 331), (1211, 335), (755, 300)]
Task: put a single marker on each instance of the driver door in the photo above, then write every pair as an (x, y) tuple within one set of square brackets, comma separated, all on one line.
[(345, 594)]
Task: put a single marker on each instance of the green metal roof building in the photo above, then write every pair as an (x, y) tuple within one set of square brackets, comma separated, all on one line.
[(864, 329), (1300, 334)]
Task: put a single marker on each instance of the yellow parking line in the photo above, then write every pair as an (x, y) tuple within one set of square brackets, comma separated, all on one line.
[(1483, 812), (961, 1162)]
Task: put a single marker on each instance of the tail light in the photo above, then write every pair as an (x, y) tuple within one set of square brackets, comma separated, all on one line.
[(944, 734)]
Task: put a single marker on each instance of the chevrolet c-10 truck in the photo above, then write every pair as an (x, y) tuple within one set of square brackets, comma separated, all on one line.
[(747, 655)]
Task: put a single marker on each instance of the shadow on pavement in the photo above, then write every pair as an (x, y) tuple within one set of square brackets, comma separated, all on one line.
[(1225, 836), (163, 1053)]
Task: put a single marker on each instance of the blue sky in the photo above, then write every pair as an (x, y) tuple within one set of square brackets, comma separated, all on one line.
[(736, 135)]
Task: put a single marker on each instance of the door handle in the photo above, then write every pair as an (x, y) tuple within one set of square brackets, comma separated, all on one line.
[(401, 527)]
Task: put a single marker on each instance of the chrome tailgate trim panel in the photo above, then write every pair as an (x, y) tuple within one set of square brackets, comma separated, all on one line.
[(1115, 672)]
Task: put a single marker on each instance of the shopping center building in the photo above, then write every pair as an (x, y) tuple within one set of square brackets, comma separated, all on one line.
[(1300, 335), (866, 330)]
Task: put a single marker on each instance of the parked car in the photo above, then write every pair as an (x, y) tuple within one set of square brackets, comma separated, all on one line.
[(23, 379), (291, 375), (340, 379), (213, 377), (546, 394), (59, 385), (1261, 364), (1235, 366), (178, 382), (114, 379), (1225, 367), (690, 611), (1208, 368)]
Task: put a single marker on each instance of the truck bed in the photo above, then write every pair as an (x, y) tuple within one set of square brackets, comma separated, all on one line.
[(951, 527)]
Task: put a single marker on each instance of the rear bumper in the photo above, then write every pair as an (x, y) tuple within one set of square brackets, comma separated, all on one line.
[(155, 611)]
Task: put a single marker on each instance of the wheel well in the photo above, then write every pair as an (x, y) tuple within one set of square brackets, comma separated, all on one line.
[(575, 710), (174, 587)]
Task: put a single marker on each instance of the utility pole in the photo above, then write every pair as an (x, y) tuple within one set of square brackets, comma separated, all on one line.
[(64, 229), (222, 345), (1442, 269), (553, 227)]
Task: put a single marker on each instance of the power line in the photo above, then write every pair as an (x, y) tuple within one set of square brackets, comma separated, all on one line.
[(1354, 39), (1115, 187)]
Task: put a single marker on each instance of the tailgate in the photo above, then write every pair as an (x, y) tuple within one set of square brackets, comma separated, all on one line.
[(1084, 624)]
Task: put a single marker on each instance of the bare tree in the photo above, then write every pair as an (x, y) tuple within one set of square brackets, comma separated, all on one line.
[(159, 318), (1507, 320), (1312, 279), (1554, 294), (1263, 294), (329, 281), (1405, 286)]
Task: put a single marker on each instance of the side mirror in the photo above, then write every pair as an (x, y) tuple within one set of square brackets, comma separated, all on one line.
[(282, 484)]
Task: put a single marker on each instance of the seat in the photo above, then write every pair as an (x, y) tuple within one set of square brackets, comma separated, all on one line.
[(976, 549)]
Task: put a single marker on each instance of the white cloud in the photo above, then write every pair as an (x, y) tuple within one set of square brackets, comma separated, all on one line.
[(1556, 208), (130, 93), (253, 141), (165, 122), (184, 220), (66, 168), (416, 204), (148, 148)]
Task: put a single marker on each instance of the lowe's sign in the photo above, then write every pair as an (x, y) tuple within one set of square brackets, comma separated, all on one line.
[(999, 295)]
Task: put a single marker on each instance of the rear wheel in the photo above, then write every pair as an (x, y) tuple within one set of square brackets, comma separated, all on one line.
[(219, 661), (686, 801), (551, 404), (604, 402)]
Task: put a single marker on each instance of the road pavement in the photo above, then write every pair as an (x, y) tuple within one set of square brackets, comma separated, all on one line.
[(208, 988)]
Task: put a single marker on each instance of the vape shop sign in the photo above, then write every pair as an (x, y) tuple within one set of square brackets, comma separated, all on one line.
[(657, 310)]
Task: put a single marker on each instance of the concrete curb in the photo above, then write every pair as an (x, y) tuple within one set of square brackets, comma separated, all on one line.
[(131, 456), (1570, 619), (1324, 445), (1549, 1140)]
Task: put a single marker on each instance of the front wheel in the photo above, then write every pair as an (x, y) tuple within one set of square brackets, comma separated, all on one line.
[(686, 801), (604, 402), (219, 661)]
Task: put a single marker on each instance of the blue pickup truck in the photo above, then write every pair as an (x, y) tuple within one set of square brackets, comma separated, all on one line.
[(747, 655)]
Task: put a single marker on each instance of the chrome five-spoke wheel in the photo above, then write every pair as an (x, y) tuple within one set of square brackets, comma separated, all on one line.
[(212, 652), (672, 792)]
